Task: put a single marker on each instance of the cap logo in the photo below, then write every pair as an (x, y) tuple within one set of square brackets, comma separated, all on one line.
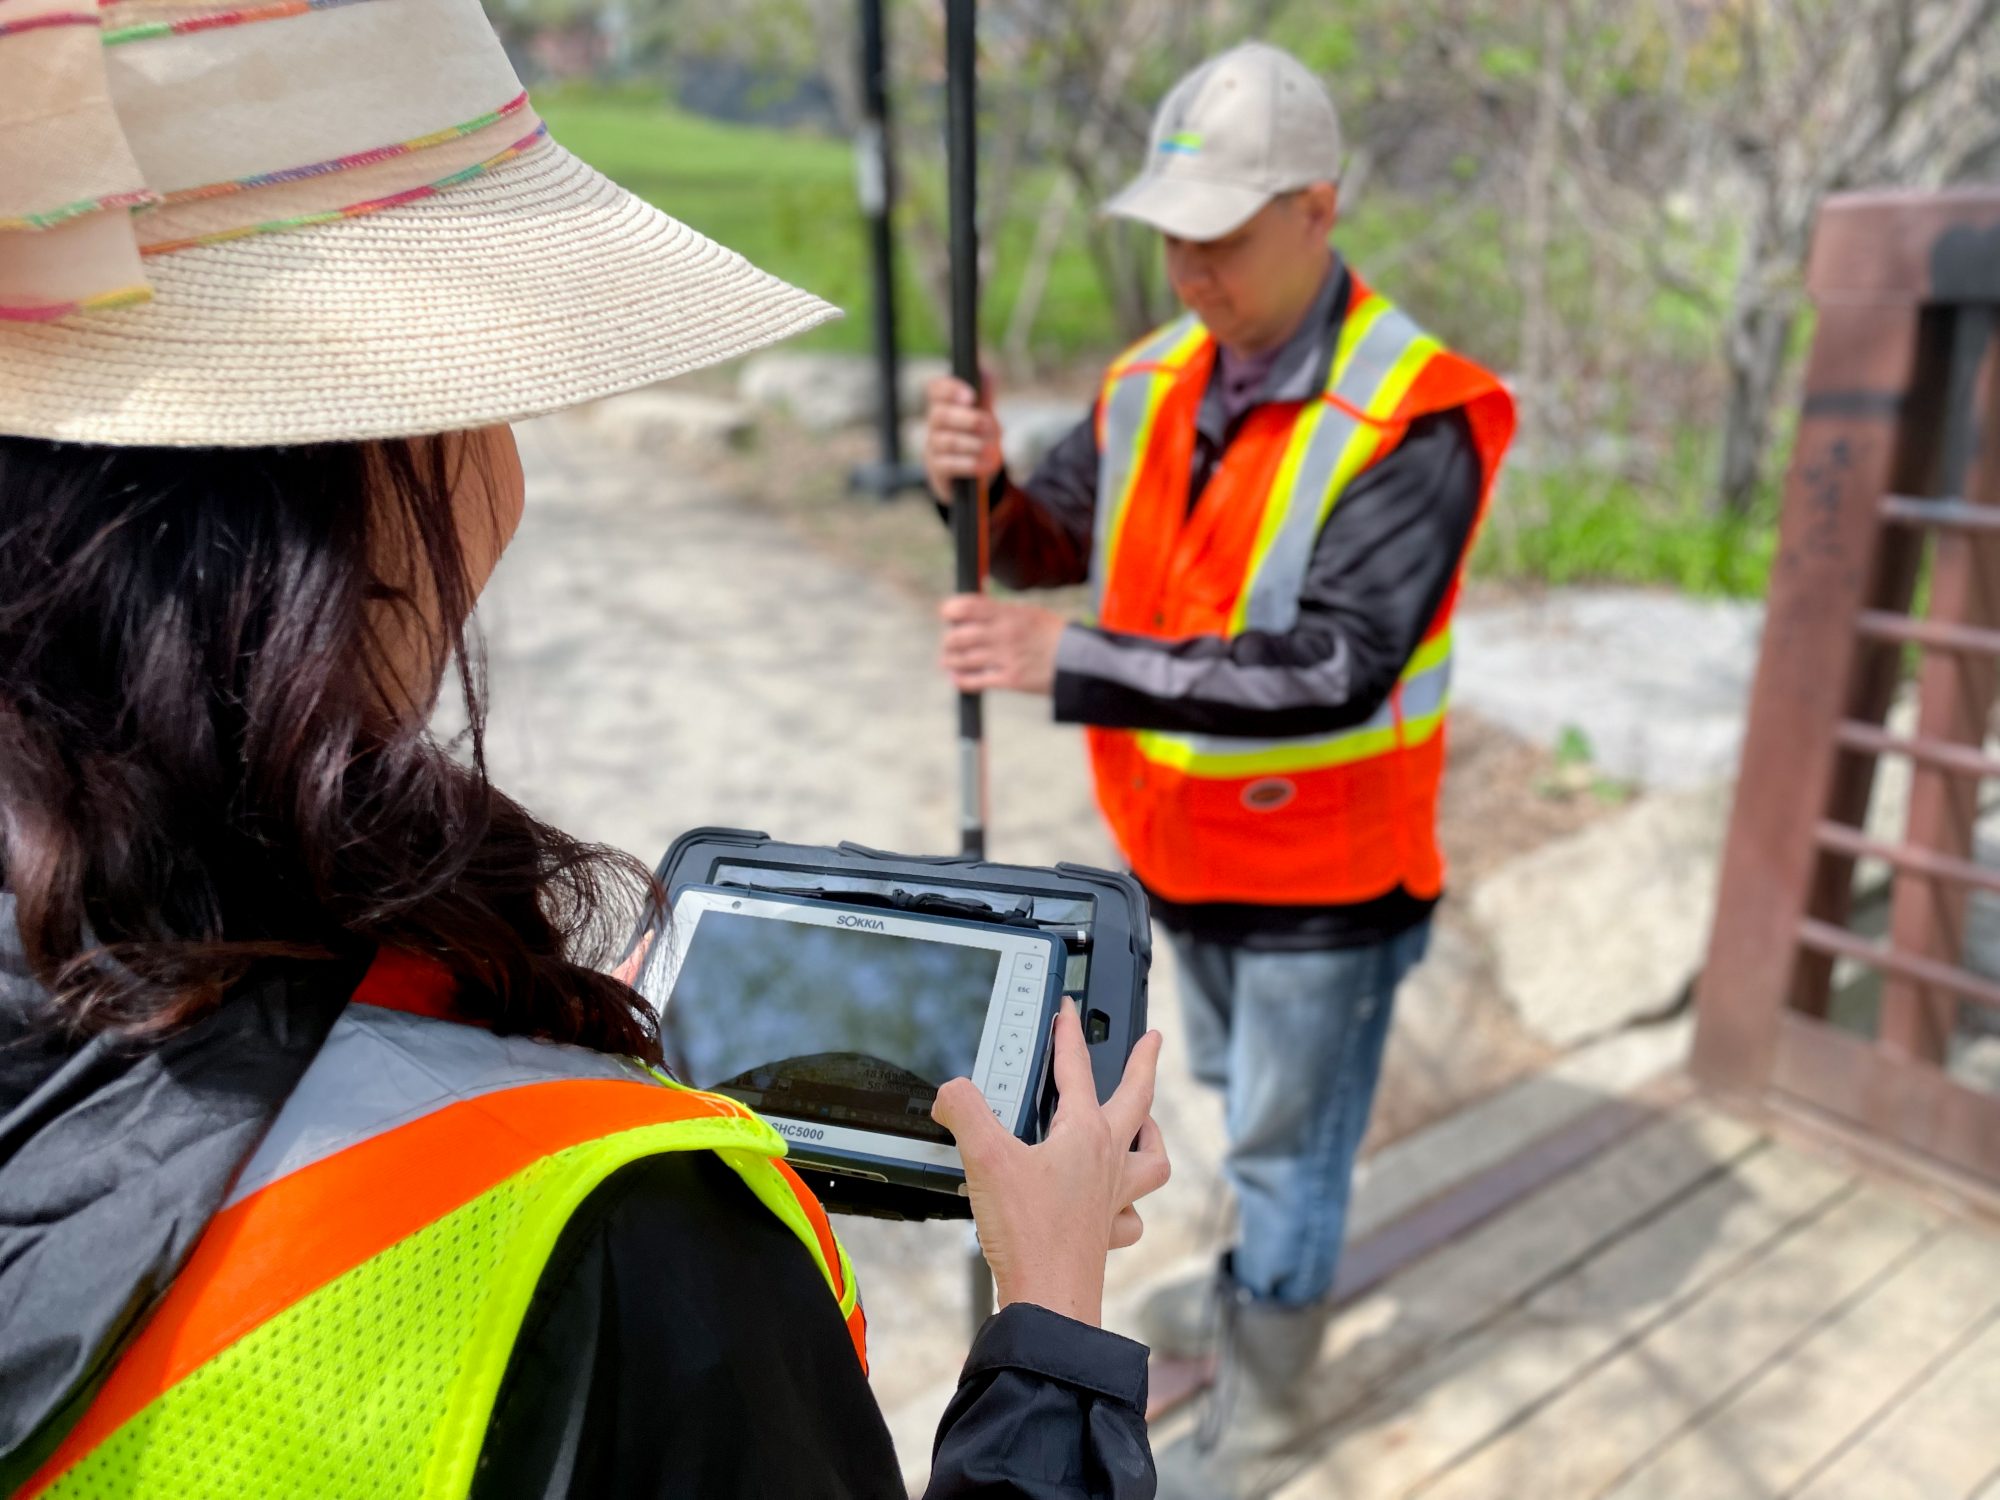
[(1182, 143)]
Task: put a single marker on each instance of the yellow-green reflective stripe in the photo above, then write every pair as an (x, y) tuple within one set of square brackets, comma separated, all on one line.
[(772, 1190), (1158, 346), (1360, 323), (775, 1193), (1291, 758), (1265, 602), (1305, 433), (1379, 355), (1130, 411), (582, 1170), (1425, 692)]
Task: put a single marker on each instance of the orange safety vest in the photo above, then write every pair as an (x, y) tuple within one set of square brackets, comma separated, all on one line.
[(343, 1324), (1315, 820)]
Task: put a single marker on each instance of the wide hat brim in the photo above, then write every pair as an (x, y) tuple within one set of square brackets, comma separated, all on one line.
[(534, 287)]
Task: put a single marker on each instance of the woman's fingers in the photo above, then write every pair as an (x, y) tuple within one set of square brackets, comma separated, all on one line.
[(963, 1110), (1126, 1228), (1076, 1086), (1129, 1108), (1147, 1167)]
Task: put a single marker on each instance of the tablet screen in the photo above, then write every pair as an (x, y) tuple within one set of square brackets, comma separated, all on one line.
[(830, 1023)]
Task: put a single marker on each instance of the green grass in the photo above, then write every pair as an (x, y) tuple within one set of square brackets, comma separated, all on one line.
[(1586, 527), (786, 200)]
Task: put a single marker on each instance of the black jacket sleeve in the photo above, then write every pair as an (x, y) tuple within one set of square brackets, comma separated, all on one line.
[(682, 1342), (1039, 534), (1379, 570)]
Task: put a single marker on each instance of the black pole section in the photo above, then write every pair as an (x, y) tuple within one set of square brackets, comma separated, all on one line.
[(967, 524), (875, 186)]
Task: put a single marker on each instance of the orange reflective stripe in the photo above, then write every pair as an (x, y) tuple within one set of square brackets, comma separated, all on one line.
[(829, 1248), (830, 1256), (857, 1331), (277, 1246)]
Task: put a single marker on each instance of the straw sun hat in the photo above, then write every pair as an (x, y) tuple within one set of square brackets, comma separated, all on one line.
[(302, 220)]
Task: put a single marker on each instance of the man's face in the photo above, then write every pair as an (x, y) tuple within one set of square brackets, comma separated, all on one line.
[(1251, 287)]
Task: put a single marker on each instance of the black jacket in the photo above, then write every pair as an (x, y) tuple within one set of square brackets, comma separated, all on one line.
[(681, 1342)]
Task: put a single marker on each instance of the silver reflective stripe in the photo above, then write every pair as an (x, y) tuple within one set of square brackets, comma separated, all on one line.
[(383, 1068), (1273, 602), (1424, 695), (1119, 453)]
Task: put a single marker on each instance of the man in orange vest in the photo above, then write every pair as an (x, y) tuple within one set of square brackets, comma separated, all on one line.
[(1272, 502)]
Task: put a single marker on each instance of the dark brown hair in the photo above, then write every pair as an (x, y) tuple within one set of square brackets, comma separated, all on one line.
[(198, 772)]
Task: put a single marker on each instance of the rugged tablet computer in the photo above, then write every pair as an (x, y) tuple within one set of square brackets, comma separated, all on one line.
[(834, 989)]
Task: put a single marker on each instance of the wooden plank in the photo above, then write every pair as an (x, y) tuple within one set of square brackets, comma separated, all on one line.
[(1603, 1424), (1889, 1099), (1829, 549), (1471, 1281), (1450, 1405), (1887, 243), (1909, 510), (1905, 964), (1435, 1223), (1855, 844), (1934, 635), (1941, 1441), (1771, 1435), (1928, 754)]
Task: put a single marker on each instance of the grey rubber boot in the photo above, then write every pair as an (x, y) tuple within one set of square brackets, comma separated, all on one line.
[(1260, 1421), (1182, 1320)]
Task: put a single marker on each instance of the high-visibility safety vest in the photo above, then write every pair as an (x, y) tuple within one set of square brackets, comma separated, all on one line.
[(1318, 820), (342, 1326)]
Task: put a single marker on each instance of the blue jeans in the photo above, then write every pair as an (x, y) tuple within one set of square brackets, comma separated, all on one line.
[(1294, 1041)]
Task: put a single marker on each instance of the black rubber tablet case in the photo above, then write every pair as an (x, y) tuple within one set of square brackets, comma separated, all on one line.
[(1100, 915)]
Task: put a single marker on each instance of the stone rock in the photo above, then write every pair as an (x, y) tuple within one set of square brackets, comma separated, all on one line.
[(1656, 683), (1607, 927), (1031, 425), (822, 392), (913, 374), (652, 421)]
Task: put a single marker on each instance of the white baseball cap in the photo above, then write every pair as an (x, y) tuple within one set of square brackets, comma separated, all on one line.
[(1231, 136)]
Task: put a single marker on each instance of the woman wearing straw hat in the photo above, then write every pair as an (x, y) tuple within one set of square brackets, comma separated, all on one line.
[(329, 1165)]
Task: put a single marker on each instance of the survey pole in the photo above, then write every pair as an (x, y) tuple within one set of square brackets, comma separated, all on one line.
[(967, 502), (875, 187)]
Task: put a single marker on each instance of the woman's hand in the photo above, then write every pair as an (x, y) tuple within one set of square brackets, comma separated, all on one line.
[(1049, 1215)]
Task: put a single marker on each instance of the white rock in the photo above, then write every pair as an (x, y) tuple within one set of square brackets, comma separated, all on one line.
[(1031, 425), (821, 392), (914, 373), (1658, 684), (651, 421), (1608, 926)]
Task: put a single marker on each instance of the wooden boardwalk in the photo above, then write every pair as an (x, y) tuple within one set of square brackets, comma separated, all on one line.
[(1698, 1312)]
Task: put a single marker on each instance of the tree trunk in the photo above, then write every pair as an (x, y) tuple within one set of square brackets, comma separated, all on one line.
[(1760, 334)]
